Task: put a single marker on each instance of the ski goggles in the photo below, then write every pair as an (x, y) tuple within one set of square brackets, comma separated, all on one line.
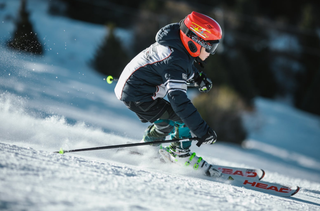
[(210, 46)]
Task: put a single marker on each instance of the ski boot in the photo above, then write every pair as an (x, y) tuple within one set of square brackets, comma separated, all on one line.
[(184, 157)]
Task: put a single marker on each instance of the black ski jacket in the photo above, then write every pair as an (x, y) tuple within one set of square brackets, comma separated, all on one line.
[(163, 69)]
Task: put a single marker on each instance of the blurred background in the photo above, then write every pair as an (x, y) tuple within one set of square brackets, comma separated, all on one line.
[(270, 49)]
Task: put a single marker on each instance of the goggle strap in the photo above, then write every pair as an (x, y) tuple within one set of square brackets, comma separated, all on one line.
[(183, 27)]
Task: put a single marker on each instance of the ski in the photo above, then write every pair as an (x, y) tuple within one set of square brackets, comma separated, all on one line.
[(251, 179), (236, 172), (266, 187), (241, 177)]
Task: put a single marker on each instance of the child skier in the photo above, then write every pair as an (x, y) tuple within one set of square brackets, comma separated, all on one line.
[(165, 69)]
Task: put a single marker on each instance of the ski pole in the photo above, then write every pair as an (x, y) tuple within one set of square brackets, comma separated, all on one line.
[(111, 79), (61, 151)]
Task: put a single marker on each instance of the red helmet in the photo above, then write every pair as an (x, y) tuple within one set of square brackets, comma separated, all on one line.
[(198, 30)]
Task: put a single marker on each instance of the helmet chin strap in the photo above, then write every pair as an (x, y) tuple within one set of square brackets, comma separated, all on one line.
[(200, 62)]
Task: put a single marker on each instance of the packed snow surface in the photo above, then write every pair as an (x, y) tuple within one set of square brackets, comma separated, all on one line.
[(57, 101)]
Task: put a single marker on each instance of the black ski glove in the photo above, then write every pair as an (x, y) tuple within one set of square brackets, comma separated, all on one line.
[(209, 138), (203, 82)]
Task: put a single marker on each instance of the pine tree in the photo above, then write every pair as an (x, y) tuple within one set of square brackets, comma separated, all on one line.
[(110, 58), (25, 38), (307, 93), (253, 60), (311, 100)]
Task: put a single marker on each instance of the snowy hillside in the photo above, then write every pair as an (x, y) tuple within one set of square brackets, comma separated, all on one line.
[(57, 101)]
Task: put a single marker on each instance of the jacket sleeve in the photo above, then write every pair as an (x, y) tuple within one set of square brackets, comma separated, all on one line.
[(184, 108), (176, 85)]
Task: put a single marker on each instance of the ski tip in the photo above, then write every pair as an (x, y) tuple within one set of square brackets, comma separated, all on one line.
[(298, 188), (263, 174)]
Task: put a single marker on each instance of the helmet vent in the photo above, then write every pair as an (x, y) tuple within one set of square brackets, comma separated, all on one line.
[(209, 26), (192, 47)]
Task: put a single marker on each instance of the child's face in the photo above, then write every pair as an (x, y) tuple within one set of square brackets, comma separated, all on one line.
[(203, 54)]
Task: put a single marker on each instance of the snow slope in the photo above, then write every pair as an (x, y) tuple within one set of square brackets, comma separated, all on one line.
[(57, 101)]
